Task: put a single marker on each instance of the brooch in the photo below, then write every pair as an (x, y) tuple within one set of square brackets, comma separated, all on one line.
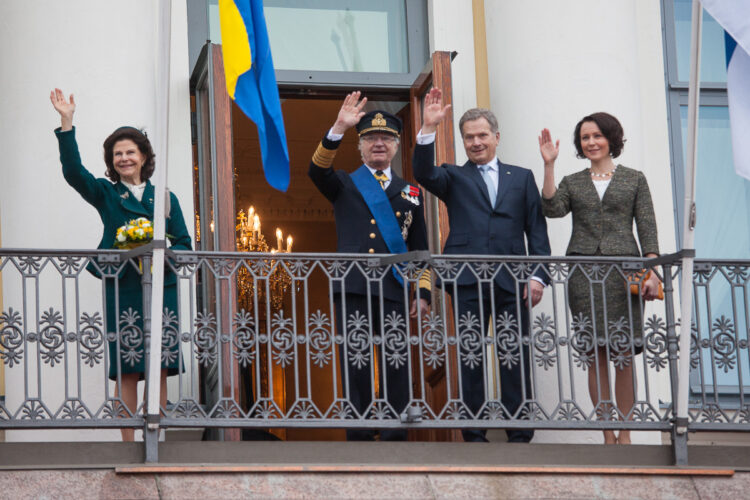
[(411, 193), (125, 195)]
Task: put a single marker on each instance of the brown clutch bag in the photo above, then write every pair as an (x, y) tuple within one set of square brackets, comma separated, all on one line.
[(639, 277)]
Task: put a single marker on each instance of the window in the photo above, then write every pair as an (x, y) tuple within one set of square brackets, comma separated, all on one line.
[(722, 199), (343, 42), (719, 190)]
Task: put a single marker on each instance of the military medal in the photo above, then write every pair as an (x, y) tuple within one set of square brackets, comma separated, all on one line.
[(407, 222), (411, 193)]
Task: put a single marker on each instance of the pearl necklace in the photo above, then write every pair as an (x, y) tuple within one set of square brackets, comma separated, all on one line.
[(604, 175)]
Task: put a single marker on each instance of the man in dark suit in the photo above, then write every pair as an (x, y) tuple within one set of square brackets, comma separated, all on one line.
[(376, 212), (492, 206)]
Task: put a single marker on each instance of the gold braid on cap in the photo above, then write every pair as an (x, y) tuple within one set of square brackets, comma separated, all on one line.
[(323, 156), (379, 124)]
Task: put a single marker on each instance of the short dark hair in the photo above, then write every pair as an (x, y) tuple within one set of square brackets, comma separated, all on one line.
[(476, 114), (611, 129), (144, 146)]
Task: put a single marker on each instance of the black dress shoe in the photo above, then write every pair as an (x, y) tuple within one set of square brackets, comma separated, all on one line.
[(474, 436), (393, 435), (519, 439), (360, 435)]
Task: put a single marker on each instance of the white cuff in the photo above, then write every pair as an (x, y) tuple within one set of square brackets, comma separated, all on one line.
[(333, 137), (425, 138), (540, 280)]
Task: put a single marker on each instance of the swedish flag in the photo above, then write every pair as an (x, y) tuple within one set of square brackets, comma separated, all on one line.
[(251, 82)]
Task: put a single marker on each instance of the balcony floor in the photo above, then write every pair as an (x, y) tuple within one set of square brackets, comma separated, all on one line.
[(409, 456), (190, 469)]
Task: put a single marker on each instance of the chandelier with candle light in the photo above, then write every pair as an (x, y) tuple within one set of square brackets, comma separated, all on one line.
[(250, 239)]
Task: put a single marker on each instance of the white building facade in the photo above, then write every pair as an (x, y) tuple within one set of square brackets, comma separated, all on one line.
[(535, 63)]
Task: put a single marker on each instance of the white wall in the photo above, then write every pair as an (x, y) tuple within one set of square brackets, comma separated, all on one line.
[(452, 29), (103, 52), (550, 63)]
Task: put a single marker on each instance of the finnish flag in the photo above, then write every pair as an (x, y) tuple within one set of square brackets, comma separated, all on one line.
[(734, 17)]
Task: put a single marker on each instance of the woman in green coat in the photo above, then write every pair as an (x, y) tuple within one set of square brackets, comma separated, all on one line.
[(604, 200), (127, 195)]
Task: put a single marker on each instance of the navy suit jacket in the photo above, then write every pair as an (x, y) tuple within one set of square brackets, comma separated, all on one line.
[(478, 228)]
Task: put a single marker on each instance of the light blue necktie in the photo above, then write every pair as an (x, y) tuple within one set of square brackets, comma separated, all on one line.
[(491, 188)]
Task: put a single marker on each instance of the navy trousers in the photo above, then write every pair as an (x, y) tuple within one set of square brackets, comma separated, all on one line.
[(514, 362), (356, 358)]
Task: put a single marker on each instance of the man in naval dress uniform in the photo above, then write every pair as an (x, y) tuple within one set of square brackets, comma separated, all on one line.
[(376, 212)]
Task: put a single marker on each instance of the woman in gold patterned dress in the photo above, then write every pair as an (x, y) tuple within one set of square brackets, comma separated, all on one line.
[(604, 200)]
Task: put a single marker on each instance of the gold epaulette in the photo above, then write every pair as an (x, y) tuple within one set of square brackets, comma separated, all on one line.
[(425, 280), (323, 156)]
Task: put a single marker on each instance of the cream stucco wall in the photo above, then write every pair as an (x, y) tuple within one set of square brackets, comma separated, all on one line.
[(451, 27), (550, 63), (105, 53)]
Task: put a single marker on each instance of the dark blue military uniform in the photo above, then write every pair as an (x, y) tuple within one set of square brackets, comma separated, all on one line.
[(358, 232)]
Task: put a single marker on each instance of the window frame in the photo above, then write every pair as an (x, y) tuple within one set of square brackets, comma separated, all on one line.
[(711, 94), (304, 81)]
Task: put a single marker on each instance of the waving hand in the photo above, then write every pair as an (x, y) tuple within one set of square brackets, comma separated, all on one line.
[(434, 112), (547, 148), (66, 108), (350, 113)]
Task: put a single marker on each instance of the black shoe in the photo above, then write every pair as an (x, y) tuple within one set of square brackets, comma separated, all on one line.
[(360, 435), (474, 436), (519, 437), (393, 435)]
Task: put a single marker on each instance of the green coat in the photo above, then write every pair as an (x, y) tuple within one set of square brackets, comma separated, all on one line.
[(116, 207), (605, 227)]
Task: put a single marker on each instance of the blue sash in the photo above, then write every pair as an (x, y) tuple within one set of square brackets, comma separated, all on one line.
[(382, 211)]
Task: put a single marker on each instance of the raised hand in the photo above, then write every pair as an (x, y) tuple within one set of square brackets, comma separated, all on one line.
[(548, 149), (350, 112), (434, 112), (64, 107)]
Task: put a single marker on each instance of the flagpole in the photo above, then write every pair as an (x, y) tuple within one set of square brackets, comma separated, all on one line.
[(689, 220), (162, 80)]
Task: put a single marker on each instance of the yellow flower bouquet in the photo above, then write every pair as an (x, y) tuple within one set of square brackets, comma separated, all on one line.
[(135, 233)]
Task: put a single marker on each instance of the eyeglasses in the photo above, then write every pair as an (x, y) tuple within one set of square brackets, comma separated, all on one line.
[(387, 139)]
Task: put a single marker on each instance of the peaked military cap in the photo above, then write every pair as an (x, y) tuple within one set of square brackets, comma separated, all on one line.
[(379, 121)]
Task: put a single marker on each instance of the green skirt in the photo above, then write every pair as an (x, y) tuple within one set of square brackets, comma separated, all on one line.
[(126, 345)]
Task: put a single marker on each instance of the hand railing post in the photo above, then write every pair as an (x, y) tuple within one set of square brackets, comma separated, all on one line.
[(679, 441), (150, 432), (688, 234)]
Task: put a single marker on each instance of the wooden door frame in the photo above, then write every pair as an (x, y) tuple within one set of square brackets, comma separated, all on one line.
[(209, 71), (437, 73)]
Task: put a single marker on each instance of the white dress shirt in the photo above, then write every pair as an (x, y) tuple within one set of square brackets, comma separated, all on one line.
[(425, 138)]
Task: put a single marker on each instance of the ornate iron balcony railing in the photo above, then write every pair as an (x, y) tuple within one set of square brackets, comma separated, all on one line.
[(266, 341)]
